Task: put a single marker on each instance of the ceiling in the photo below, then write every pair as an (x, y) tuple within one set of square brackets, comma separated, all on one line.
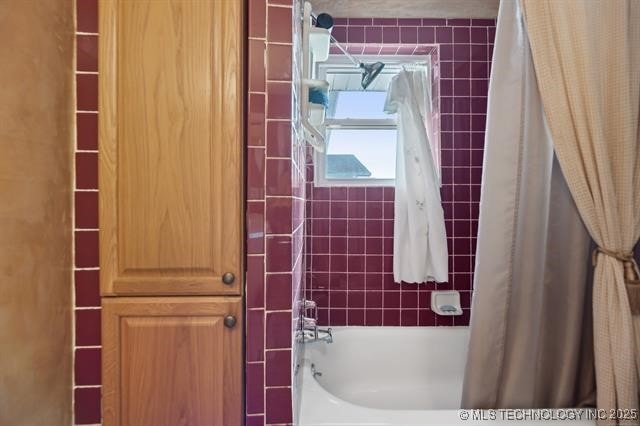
[(408, 8)]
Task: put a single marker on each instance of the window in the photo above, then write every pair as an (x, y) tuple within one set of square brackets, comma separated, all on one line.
[(360, 137)]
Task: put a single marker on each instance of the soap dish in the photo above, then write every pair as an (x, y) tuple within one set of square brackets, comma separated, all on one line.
[(446, 303)]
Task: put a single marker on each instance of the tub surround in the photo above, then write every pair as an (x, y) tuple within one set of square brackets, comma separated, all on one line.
[(350, 230)]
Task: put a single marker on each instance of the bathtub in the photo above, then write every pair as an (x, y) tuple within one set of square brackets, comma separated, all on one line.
[(409, 376)]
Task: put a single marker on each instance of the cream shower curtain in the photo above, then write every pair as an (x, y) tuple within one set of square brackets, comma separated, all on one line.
[(531, 338), (587, 59)]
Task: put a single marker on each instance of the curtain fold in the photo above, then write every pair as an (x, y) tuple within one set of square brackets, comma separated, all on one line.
[(531, 338), (587, 61)]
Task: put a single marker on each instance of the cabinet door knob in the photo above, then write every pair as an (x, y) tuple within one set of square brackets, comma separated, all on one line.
[(229, 321), (228, 278)]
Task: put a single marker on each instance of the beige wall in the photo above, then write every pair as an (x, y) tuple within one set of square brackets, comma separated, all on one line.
[(36, 57)]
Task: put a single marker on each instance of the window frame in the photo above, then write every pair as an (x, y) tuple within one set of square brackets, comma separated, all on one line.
[(319, 158)]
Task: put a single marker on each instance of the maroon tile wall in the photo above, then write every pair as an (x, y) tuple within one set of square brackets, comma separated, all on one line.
[(350, 230), (87, 351), (275, 213)]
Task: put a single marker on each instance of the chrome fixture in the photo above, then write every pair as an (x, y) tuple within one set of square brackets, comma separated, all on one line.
[(369, 71), (308, 330), (315, 373)]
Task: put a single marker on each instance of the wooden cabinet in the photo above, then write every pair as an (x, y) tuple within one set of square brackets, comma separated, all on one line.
[(171, 211), (172, 361), (171, 79)]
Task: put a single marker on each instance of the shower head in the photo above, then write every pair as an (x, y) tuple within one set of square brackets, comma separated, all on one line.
[(370, 72)]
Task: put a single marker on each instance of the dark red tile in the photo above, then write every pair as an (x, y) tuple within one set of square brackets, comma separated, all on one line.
[(88, 327), (87, 53), (254, 345), (255, 282), (278, 253), (360, 21), (373, 299), (373, 317), (279, 139), (256, 120), (408, 34), (409, 317), (86, 404), (255, 389), (321, 209), (339, 194), (279, 62), (355, 34), (338, 317), (255, 173), (278, 291), (86, 170), (278, 177), (87, 18), (278, 368), (279, 24), (426, 35), (278, 215), (385, 21), (257, 18), (426, 318), (256, 68), (87, 131), (356, 245), (355, 317), (373, 34), (444, 35), (391, 317), (255, 227), (459, 22), (340, 282), (87, 92), (87, 249), (86, 209), (278, 405), (279, 100), (356, 281), (338, 245), (87, 367), (478, 35), (278, 330), (391, 299), (255, 420), (339, 33), (461, 35), (338, 227), (87, 288), (339, 263), (479, 87), (391, 35), (483, 22)]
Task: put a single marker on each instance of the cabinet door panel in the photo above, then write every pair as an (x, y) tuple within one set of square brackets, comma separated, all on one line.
[(170, 146), (172, 361)]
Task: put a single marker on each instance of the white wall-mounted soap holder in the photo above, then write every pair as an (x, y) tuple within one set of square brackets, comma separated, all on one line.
[(446, 302)]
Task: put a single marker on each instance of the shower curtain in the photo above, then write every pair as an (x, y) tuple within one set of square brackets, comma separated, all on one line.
[(419, 238), (587, 58), (531, 341)]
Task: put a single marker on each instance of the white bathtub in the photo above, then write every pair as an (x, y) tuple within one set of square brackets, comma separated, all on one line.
[(409, 376)]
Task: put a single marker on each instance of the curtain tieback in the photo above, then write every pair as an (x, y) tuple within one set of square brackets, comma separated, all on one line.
[(631, 277)]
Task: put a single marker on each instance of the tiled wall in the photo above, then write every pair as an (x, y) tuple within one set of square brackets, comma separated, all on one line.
[(275, 211), (350, 230), (87, 296)]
